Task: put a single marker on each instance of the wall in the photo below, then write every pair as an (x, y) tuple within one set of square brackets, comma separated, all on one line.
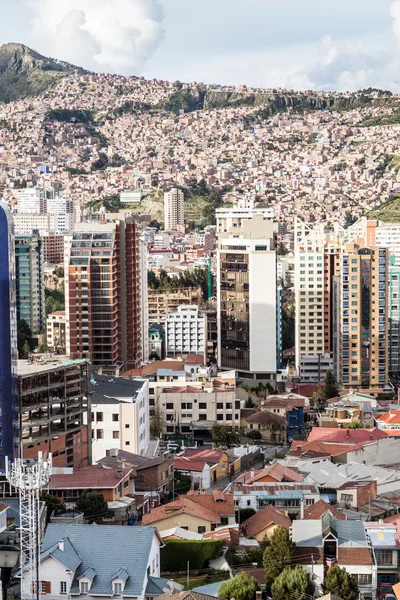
[(183, 520), (385, 451), (53, 571)]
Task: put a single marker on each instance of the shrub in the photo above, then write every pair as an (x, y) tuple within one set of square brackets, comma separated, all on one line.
[(176, 554)]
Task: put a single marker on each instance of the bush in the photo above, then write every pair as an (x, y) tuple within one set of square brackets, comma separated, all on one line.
[(176, 554), (254, 434)]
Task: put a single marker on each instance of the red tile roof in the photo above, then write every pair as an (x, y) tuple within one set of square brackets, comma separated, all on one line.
[(391, 418), (182, 506), (264, 518), (222, 504), (194, 359), (229, 535), (342, 436), (276, 471), (94, 477), (354, 556), (315, 511), (299, 447)]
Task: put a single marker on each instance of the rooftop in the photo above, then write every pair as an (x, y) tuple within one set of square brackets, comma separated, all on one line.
[(108, 390)]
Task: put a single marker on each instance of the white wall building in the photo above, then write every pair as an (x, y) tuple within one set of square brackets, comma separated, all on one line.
[(120, 416), (144, 299), (173, 209), (186, 331), (247, 300), (233, 218)]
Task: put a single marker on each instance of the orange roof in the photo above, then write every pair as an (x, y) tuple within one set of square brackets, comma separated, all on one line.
[(182, 506), (396, 590), (328, 448), (393, 432), (222, 504), (391, 417), (316, 510), (342, 436), (277, 471), (265, 518)]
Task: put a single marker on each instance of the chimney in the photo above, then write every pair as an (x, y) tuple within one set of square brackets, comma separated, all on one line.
[(61, 545), (347, 433), (298, 447)]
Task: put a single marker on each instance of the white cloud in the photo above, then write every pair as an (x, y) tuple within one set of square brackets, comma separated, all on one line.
[(103, 35)]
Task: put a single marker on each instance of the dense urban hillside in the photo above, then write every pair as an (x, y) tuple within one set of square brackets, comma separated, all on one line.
[(24, 72)]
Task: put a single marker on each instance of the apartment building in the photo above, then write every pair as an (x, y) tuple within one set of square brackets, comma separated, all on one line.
[(247, 300), (144, 292), (53, 399), (55, 331), (341, 288), (119, 415), (29, 269), (162, 302), (186, 331), (103, 295), (42, 201), (233, 218), (173, 209), (195, 408)]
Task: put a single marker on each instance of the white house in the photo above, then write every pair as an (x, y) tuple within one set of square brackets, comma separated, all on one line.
[(92, 561), (120, 415)]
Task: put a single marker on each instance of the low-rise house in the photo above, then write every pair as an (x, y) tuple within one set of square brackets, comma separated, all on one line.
[(291, 406), (150, 473), (93, 561), (272, 473), (345, 412), (388, 421), (323, 542), (318, 509), (385, 542), (284, 496), (113, 484), (217, 502), (183, 513), (271, 426), (262, 525), (354, 494), (203, 464)]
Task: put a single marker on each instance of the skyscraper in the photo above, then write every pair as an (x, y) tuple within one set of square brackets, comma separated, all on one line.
[(247, 300), (8, 340), (341, 289), (173, 209), (103, 295), (29, 263)]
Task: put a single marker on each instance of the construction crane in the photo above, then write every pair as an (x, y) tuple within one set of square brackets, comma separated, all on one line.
[(29, 477)]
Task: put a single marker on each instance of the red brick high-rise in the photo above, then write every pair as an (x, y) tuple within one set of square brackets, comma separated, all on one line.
[(103, 299)]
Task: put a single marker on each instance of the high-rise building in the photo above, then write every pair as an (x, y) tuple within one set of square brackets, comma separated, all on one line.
[(229, 219), (144, 289), (247, 300), (42, 201), (29, 265), (8, 340), (173, 209), (341, 289), (186, 331), (103, 295)]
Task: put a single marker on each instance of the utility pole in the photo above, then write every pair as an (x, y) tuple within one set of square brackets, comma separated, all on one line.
[(187, 576)]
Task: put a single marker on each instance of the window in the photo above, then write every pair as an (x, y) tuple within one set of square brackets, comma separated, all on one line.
[(170, 406), (384, 557), (224, 520), (99, 416), (63, 587), (115, 417), (115, 435), (117, 588), (347, 497), (202, 405), (45, 587), (127, 443), (100, 434), (248, 502), (84, 587), (202, 417), (126, 425), (364, 579), (201, 529)]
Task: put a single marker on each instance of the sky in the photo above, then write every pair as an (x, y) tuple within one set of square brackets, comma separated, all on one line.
[(343, 45)]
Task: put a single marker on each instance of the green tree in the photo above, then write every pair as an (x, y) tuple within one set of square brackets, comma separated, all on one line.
[(331, 387), (292, 581), (223, 436), (92, 504), (24, 337), (240, 587), (339, 582), (279, 554), (288, 326), (52, 504), (281, 249), (245, 513), (249, 403), (254, 434)]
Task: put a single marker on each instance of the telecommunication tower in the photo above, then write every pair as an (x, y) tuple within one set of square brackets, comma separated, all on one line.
[(29, 477)]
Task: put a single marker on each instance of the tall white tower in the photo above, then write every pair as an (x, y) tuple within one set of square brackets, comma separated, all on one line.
[(173, 209), (29, 477)]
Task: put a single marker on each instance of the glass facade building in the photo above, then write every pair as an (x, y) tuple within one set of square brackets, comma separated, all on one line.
[(8, 340)]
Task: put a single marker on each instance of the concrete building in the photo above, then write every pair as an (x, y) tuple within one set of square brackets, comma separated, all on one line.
[(29, 263), (144, 300), (55, 331), (173, 209), (103, 295), (53, 399), (186, 331), (198, 406), (247, 300), (229, 219), (161, 302), (156, 339), (341, 288), (120, 416), (8, 340), (42, 201)]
